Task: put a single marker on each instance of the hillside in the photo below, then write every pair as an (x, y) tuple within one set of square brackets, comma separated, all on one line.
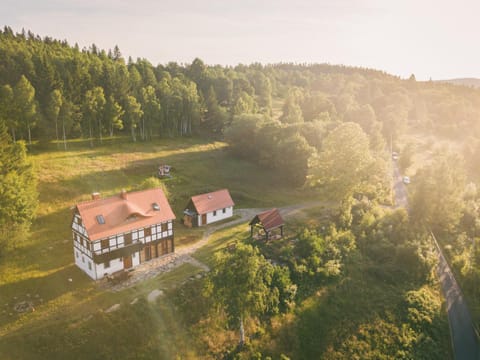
[(71, 313), (353, 277), (470, 82)]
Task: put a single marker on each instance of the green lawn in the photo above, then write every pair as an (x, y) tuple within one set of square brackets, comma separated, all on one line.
[(40, 267), (69, 319)]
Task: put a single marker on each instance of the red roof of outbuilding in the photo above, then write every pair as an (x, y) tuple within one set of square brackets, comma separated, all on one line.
[(124, 214), (216, 200), (270, 219)]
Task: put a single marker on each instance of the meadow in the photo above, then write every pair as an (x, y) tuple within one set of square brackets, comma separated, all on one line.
[(355, 314), (40, 269)]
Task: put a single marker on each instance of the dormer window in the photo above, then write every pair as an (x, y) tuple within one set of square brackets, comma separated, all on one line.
[(100, 219), (156, 207), (132, 217)]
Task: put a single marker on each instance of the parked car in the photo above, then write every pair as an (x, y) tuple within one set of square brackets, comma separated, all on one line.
[(406, 180)]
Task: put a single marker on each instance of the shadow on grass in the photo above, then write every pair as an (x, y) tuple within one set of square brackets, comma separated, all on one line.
[(194, 173), (40, 290), (49, 245), (114, 144)]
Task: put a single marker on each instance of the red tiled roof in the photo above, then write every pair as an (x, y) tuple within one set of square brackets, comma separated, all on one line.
[(118, 213), (216, 200), (270, 219)]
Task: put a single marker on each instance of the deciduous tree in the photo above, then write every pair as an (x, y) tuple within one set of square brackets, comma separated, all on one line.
[(343, 163), (241, 283), (133, 114), (25, 106), (438, 188)]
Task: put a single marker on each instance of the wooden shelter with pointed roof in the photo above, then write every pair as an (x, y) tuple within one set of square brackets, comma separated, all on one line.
[(266, 223)]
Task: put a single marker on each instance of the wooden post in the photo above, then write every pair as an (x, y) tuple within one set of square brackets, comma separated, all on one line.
[(281, 231)]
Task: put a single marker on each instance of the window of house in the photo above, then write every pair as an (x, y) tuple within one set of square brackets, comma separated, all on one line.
[(215, 213), (100, 219), (224, 210), (148, 231), (89, 265), (133, 255), (83, 259), (164, 227), (79, 221), (105, 243), (128, 239), (76, 254), (81, 241), (106, 264)]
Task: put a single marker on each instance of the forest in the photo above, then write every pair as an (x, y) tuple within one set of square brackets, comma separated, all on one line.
[(318, 129)]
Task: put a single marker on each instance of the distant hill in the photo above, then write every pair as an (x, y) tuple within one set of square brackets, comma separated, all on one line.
[(472, 82)]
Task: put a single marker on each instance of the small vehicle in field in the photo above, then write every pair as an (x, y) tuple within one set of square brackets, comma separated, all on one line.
[(406, 180), (394, 156)]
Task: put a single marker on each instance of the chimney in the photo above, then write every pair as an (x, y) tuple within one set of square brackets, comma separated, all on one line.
[(96, 196), (123, 194)]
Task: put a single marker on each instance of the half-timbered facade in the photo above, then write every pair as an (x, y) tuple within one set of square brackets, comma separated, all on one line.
[(208, 208), (120, 232)]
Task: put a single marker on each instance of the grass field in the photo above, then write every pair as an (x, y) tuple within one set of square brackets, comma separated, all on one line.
[(69, 320), (39, 268)]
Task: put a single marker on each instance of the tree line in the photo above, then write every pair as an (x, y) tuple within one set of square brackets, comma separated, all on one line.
[(50, 90)]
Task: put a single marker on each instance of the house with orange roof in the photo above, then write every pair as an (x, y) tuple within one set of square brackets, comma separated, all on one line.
[(122, 231), (208, 208)]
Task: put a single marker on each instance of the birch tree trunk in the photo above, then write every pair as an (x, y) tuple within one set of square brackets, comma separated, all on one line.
[(64, 137), (242, 332), (133, 134), (29, 134), (100, 130), (90, 132)]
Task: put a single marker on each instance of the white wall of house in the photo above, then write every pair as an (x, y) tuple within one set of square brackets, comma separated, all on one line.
[(84, 262), (217, 215), (108, 268), (114, 265)]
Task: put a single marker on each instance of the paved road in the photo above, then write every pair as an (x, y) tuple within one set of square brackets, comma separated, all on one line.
[(401, 199), (464, 340)]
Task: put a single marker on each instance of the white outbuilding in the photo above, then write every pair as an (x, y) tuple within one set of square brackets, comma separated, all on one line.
[(208, 208)]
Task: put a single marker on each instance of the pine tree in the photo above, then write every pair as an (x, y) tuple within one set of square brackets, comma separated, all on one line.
[(18, 194)]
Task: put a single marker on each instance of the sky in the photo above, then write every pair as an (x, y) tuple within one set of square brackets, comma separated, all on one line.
[(431, 39)]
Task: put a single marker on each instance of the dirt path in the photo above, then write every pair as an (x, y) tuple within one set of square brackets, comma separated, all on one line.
[(182, 255)]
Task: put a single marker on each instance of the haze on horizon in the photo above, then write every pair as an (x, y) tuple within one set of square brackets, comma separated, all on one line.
[(431, 39)]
